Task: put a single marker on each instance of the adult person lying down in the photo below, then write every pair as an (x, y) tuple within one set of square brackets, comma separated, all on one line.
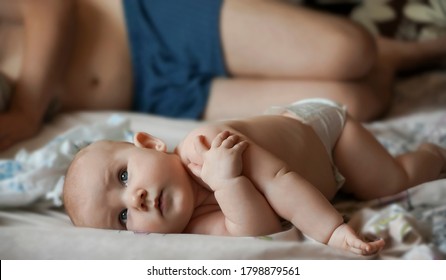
[(202, 59)]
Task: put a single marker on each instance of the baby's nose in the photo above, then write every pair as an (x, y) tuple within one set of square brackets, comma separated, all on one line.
[(139, 199)]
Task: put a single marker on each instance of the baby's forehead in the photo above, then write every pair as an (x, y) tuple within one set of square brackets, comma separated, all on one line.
[(94, 154), (85, 178), (105, 146), (98, 158)]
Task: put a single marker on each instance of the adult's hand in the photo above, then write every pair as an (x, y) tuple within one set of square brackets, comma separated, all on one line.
[(16, 126)]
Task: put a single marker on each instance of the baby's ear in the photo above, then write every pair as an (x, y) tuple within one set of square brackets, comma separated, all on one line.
[(145, 140)]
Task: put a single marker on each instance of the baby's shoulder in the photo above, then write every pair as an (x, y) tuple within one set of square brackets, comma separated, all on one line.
[(209, 131)]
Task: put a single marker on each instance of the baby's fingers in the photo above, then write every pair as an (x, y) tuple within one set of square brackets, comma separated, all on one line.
[(230, 141), (220, 138), (199, 145), (241, 146)]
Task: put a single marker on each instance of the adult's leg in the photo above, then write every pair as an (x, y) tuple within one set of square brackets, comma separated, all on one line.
[(277, 39), (367, 97), (409, 55), (244, 97), (273, 38)]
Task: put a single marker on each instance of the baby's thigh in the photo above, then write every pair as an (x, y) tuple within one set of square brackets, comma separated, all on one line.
[(370, 171)]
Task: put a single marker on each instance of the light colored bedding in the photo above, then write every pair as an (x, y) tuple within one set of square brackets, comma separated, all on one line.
[(413, 223)]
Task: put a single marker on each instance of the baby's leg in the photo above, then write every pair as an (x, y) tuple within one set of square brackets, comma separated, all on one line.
[(424, 164), (371, 172), (344, 237)]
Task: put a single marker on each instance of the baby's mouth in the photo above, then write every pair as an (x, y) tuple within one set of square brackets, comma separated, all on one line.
[(160, 203)]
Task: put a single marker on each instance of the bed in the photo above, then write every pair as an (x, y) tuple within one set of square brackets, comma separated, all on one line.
[(413, 223)]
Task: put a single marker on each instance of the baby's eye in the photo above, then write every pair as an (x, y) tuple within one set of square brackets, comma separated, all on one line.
[(123, 217), (123, 176)]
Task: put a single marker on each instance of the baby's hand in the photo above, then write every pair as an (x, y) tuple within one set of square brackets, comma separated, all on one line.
[(221, 161), (344, 237)]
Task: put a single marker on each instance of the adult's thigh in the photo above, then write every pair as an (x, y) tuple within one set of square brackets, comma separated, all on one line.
[(275, 38)]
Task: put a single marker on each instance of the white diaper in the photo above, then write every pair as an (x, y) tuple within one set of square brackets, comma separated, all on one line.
[(326, 117)]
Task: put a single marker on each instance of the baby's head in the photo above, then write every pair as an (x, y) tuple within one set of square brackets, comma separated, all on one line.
[(120, 185)]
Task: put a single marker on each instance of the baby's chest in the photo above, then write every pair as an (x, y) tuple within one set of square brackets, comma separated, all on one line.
[(209, 220), (210, 206)]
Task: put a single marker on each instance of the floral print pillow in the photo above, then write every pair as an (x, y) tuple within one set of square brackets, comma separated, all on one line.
[(403, 19)]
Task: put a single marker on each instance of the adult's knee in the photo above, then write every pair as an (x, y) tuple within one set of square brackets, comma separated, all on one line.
[(355, 51)]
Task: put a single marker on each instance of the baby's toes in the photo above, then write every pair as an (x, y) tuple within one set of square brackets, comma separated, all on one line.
[(373, 247)]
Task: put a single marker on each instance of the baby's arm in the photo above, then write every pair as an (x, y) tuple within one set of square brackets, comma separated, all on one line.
[(245, 209), (46, 24)]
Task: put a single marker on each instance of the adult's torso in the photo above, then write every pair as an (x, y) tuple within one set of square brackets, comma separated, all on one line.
[(98, 72)]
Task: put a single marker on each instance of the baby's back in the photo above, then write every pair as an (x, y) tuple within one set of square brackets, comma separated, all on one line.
[(293, 142)]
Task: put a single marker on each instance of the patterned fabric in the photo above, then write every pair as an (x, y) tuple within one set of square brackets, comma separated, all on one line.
[(403, 19)]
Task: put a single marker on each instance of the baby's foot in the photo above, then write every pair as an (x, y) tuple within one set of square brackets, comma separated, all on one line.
[(344, 237), (436, 150)]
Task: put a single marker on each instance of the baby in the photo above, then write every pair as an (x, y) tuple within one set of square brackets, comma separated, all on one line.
[(241, 177)]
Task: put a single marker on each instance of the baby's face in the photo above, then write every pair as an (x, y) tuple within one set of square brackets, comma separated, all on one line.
[(122, 186)]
